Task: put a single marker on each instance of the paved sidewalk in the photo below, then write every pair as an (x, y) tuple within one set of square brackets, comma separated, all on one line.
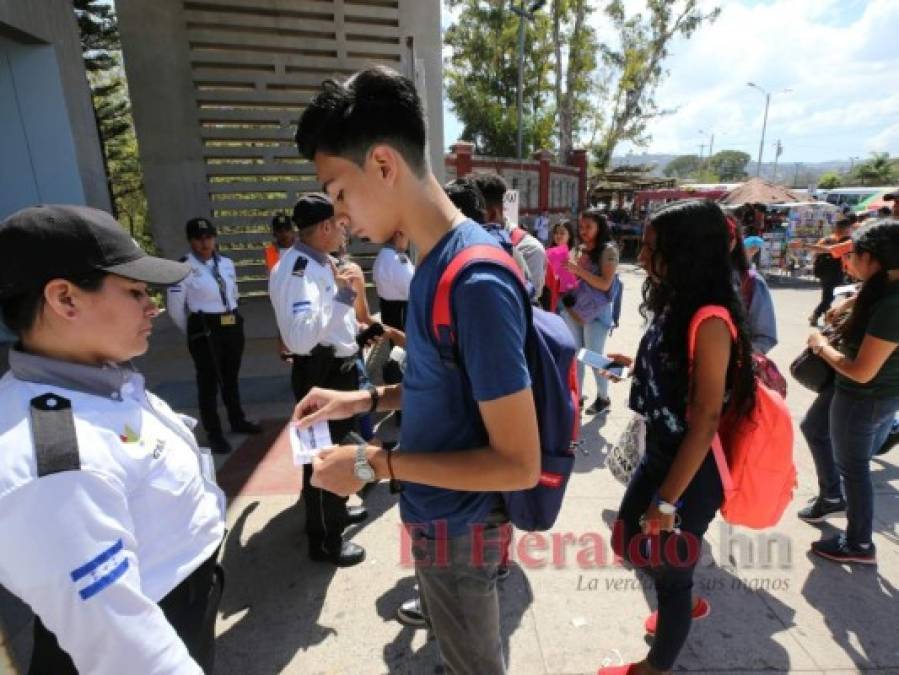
[(774, 609)]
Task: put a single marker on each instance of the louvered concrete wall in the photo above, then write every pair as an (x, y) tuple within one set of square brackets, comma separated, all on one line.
[(217, 87)]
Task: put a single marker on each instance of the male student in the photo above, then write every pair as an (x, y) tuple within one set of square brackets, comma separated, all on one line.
[(464, 437)]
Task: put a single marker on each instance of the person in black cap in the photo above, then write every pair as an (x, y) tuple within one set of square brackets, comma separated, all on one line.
[(110, 517), (284, 236), (204, 306), (314, 306)]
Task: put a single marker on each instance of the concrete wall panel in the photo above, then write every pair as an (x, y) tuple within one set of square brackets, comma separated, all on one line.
[(217, 87)]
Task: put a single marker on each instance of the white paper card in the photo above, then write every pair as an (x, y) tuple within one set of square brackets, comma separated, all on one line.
[(307, 443)]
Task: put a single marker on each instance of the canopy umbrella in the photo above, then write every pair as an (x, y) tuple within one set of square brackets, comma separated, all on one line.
[(758, 191)]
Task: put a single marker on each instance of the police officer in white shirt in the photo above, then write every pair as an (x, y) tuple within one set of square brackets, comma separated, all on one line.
[(204, 306), (110, 517), (392, 273), (313, 304)]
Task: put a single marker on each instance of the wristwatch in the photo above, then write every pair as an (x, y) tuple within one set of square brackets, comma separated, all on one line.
[(362, 469), (375, 397), (667, 508)]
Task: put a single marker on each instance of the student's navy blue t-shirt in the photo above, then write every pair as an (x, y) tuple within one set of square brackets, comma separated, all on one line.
[(440, 410)]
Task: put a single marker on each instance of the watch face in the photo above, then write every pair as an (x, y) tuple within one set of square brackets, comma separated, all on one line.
[(364, 472)]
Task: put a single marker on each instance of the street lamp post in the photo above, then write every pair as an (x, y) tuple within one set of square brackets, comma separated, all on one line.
[(523, 15), (711, 146), (767, 94)]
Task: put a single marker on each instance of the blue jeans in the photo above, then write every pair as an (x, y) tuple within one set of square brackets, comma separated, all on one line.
[(592, 336), (858, 427), (815, 426)]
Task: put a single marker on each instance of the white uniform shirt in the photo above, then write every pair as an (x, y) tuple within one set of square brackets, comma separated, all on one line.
[(92, 551), (199, 291), (309, 307), (392, 273)]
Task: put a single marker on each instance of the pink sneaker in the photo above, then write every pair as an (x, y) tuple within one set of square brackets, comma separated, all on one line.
[(616, 670), (700, 611)]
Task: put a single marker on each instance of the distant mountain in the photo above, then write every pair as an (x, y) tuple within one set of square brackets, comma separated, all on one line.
[(798, 174)]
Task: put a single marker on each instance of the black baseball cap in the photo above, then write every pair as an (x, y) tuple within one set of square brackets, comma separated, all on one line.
[(199, 227), (312, 209), (281, 222), (57, 241)]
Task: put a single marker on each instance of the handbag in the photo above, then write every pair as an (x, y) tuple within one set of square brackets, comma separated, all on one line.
[(810, 370), (628, 450)]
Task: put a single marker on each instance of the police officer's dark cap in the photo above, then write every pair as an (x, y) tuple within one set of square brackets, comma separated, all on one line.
[(312, 209), (281, 222), (47, 242), (200, 227)]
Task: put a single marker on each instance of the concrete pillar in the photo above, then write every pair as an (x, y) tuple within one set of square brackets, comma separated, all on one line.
[(463, 150), (545, 158), (578, 158)]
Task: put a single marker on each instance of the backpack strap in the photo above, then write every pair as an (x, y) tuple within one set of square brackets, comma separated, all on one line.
[(710, 312), (53, 429), (707, 312), (441, 310)]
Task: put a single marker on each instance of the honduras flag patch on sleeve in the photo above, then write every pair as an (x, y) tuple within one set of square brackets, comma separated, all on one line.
[(95, 575)]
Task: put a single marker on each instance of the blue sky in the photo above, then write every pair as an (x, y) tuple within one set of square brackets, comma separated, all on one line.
[(839, 58)]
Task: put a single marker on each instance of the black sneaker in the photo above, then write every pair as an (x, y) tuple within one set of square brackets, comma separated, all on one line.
[(819, 509), (600, 405), (410, 614), (840, 550)]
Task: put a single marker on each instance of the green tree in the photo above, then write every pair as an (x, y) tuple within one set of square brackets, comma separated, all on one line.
[(683, 166), (730, 165), (101, 51), (482, 77), (878, 170), (574, 82), (829, 180), (636, 66)]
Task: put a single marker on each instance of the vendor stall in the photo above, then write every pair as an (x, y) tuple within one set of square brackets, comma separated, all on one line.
[(806, 223)]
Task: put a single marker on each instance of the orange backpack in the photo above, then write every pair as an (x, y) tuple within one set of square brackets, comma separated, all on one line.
[(754, 452)]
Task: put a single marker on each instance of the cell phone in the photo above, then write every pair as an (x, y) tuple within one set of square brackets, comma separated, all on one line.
[(601, 362), (369, 334)]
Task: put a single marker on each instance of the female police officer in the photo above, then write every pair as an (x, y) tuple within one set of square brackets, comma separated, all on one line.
[(110, 519)]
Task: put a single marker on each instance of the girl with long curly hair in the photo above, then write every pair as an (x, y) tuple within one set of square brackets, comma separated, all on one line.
[(866, 391), (676, 490)]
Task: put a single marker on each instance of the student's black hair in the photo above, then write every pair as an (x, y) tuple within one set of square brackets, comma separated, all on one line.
[(738, 258), (566, 224), (880, 239), (373, 106), (464, 193), (20, 312), (692, 259), (493, 187), (603, 235)]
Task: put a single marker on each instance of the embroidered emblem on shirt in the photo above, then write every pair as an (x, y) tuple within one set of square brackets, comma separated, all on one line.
[(158, 450), (95, 575), (299, 267), (130, 435), (301, 307)]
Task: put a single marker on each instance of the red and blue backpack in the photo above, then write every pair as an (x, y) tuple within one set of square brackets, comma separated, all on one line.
[(550, 353)]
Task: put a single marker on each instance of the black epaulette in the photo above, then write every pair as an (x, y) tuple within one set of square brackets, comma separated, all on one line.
[(53, 430), (299, 267)]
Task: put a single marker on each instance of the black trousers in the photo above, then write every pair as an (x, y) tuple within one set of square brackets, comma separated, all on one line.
[(190, 608), (669, 559), (326, 516), (217, 351), (393, 313), (827, 289)]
